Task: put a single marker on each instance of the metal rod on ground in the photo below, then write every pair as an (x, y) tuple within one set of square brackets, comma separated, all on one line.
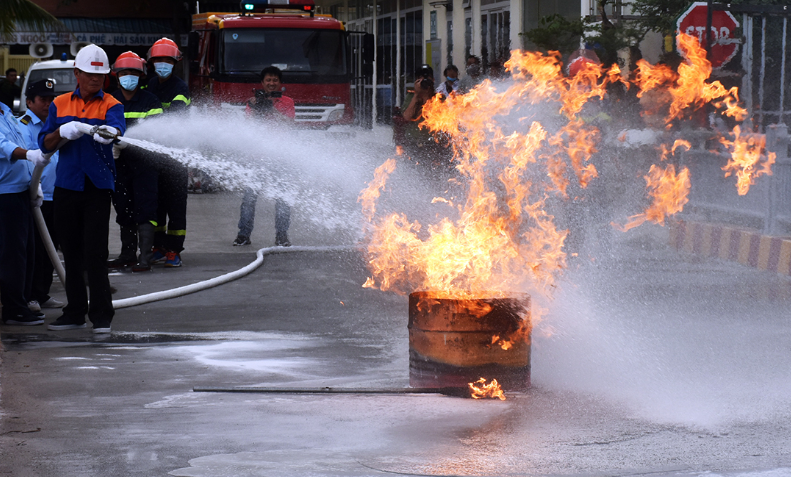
[(328, 390)]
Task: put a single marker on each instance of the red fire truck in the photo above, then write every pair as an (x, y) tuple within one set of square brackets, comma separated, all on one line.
[(229, 50)]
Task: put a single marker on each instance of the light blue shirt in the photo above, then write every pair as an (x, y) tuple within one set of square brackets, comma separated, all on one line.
[(14, 174), (30, 131)]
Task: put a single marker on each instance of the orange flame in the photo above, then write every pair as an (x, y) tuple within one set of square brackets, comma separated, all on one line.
[(669, 192), (480, 389), (747, 160)]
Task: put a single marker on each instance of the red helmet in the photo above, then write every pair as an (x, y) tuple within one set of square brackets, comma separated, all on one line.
[(164, 48), (129, 61), (579, 58)]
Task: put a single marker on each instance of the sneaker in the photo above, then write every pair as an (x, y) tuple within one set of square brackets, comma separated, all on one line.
[(241, 240), (101, 329), (52, 303), (281, 240), (158, 256), (25, 319), (33, 305), (66, 323), (173, 260), (121, 262), (141, 268)]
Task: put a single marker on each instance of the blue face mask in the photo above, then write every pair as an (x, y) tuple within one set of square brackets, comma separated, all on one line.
[(163, 69), (129, 82), (453, 80)]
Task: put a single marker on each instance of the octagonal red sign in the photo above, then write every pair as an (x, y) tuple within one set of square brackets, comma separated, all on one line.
[(724, 44)]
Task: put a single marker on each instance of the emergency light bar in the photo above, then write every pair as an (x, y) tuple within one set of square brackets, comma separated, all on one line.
[(250, 6)]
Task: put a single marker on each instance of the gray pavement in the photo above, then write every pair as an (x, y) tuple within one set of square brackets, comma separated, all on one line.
[(647, 362)]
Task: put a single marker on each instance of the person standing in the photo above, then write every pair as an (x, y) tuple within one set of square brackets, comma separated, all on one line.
[(451, 83), (136, 185), (17, 245), (268, 104), (38, 97), (84, 184), (9, 89), (174, 95)]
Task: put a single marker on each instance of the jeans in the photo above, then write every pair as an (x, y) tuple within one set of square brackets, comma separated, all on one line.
[(247, 214)]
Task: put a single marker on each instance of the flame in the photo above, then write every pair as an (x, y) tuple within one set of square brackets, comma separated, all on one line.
[(747, 161), (669, 192), (479, 389)]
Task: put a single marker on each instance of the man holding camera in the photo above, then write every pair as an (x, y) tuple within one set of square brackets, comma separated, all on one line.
[(420, 144), (268, 104)]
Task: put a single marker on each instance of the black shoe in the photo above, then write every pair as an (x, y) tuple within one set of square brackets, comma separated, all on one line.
[(281, 240), (241, 240), (101, 328), (25, 319), (121, 262), (66, 323)]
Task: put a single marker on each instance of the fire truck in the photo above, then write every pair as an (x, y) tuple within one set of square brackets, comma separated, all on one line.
[(228, 51)]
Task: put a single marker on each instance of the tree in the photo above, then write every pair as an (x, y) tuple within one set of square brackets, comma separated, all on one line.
[(16, 12), (557, 33)]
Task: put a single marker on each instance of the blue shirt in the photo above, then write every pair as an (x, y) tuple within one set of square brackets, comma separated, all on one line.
[(31, 126), (14, 174), (84, 156)]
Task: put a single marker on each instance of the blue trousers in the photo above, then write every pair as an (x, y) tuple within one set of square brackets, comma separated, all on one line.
[(247, 214), (17, 252)]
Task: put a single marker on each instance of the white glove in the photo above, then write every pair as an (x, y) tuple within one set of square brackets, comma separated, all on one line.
[(71, 131), (39, 199), (37, 158), (100, 139), (117, 151)]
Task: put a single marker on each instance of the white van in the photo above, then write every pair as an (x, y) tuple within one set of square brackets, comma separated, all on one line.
[(62, 71)]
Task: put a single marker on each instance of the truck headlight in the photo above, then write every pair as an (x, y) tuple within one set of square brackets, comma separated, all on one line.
[(335, 115)]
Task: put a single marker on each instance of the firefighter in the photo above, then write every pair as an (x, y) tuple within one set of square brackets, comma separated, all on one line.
[(135, 196), (83, 188), (174, 95), (38, 97)]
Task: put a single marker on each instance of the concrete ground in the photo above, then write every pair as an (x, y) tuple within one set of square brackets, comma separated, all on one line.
[(648, 361)]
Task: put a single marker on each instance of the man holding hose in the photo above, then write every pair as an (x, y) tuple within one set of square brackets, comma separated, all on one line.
[(85, 180)]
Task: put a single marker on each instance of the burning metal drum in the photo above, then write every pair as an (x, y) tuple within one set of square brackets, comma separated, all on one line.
[(453, 342)]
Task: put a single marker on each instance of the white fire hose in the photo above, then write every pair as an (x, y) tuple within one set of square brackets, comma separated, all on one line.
[(165, 294)]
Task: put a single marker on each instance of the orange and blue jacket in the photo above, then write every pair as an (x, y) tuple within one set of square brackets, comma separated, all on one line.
[(84, 156)]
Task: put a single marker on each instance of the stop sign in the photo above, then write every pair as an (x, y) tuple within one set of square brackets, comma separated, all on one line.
[(723, 43)]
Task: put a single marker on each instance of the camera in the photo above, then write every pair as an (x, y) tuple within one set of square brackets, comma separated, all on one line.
[(263, 100), (427, 84)]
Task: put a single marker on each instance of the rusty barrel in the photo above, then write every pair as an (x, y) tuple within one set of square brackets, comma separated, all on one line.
[(453, 342)]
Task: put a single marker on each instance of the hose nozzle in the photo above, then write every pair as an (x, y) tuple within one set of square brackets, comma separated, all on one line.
[(103, 133)]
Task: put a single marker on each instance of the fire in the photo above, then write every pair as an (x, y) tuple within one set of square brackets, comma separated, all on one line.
[(669, 192), (480, 389), (747, 161)]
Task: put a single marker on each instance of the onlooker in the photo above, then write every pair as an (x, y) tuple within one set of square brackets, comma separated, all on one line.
[(268, 104), (9, 89), (83, 186), (474, 73), (173, 93), (451, 83), (136, 184), (420, 145), (17, 246), (38, 97)]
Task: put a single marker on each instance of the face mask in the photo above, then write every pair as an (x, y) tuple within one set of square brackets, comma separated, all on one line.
[(129, 82), (163, 69), (453, 80)]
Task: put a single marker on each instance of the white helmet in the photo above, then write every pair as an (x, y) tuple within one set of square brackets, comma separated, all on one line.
[(92, 59)]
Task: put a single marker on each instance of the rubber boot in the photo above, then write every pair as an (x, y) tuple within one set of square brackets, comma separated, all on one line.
[(128, 254), (145, 233)]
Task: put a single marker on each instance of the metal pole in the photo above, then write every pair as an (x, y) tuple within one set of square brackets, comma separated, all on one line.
[(708, 29), (398, 54), (783, 71), (762, 73), (374, 80)]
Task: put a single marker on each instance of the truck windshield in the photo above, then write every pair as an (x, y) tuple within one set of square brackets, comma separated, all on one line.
[(304, 56)]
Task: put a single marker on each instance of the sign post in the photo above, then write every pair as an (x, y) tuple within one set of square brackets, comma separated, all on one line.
[(719, 39)]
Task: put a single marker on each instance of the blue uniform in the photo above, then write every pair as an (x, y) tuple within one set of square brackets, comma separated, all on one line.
[(31, 126), (84, 157), (14, 175)]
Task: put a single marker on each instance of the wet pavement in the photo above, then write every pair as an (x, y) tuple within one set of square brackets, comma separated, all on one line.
[(648, 361)]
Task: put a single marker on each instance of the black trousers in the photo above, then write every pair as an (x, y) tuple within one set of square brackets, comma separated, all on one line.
[(82, 222), (43, 268), (172, 209), (17, 252), (136, 188)]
